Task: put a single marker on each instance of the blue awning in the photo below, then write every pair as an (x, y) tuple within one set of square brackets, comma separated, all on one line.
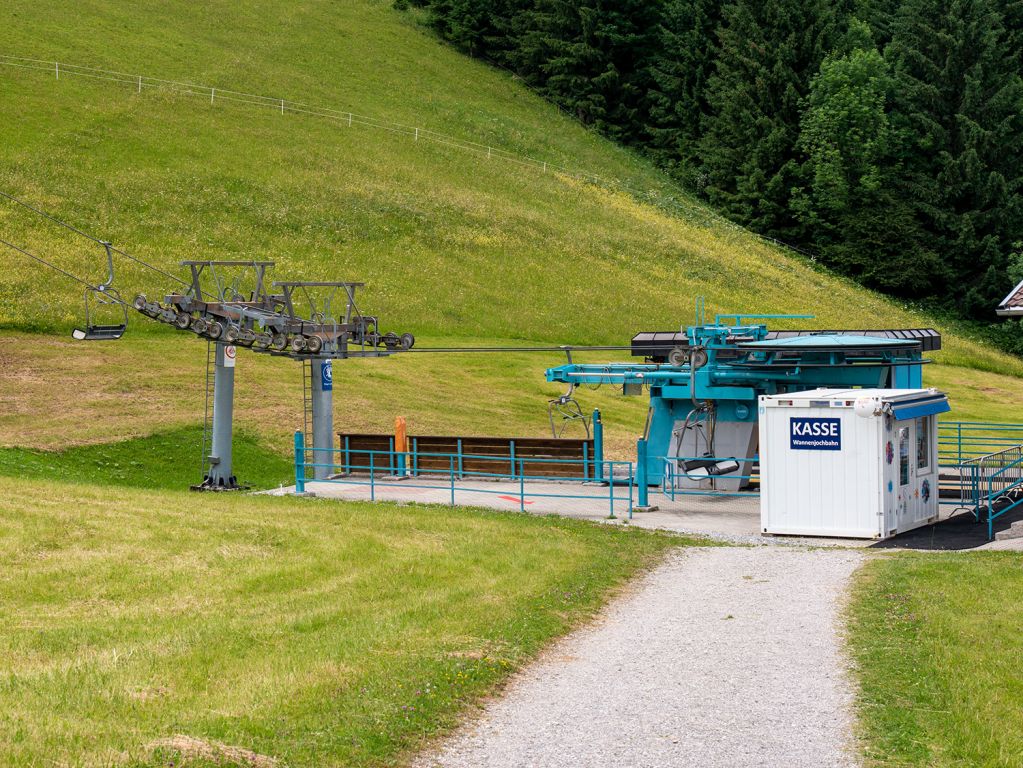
[(917, 408)]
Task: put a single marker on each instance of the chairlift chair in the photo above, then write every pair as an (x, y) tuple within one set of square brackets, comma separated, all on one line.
[(567, 408), (103, 295)]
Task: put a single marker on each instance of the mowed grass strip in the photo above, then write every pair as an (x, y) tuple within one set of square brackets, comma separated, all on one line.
[(938, 644), (311, 632)]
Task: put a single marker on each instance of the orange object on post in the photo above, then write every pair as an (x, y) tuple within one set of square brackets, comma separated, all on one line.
[(401, 444), (400, 434)]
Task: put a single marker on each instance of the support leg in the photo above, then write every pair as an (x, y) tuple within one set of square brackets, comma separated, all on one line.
[(221, 469), (323, 418)]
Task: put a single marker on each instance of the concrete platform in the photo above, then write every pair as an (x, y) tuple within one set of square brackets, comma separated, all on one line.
[(735, 519)]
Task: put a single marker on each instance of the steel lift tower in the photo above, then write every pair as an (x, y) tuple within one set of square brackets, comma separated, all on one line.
[(230, 304)]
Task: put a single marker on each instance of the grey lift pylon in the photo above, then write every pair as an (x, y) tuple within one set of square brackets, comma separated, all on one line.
[(321, 381), (220, 472)]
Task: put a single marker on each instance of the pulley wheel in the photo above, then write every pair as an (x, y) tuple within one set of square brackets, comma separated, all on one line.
[(407, 341), (215, 330), (262, 341), (678, 356), (280, 342), (182, 321), (231, 334), (139, 303), (298, 343), (199, 325), (699, 359), (314, 344)]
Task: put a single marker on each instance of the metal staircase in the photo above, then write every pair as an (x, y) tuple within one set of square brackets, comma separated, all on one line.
[(207, 424)]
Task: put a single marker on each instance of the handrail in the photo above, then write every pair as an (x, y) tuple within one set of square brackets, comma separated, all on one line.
[(391, 466)]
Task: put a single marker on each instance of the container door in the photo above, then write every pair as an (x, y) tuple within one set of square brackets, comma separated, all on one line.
[(916, 497)]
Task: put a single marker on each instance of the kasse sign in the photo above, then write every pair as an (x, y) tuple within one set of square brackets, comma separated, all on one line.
[(811, 434)]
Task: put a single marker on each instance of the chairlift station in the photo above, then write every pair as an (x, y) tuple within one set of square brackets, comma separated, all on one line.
[(710, 386)]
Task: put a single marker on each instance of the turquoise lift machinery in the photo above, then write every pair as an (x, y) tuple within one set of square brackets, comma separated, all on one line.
[(704, 381)]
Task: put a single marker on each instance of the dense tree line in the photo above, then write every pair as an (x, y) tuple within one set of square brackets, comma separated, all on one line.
[(886, 136)]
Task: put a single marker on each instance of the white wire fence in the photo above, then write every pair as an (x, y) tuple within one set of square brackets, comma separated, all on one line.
[(679, 203)]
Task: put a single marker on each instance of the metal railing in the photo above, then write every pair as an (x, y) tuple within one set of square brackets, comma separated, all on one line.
[(674, 475), (521, 473), (986, 481), (960, 441), (1004, 489)]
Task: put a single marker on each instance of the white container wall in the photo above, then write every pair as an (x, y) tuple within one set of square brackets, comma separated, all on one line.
[(858, 463)]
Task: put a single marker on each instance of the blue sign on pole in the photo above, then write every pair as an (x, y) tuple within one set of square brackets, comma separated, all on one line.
[(815, 434), (326, 376)]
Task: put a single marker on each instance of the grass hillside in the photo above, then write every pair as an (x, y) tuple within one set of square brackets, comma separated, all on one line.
[(451, 244)]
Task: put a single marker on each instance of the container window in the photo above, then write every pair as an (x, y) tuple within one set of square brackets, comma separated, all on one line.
[(903, 455), (923, 443)]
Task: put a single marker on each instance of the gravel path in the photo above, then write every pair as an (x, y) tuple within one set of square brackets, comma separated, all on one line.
[(721, 657)]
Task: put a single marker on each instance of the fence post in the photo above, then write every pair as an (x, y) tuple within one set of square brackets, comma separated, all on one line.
[(348, 456), (611, 500), (299, 461), (644, 498), (451, 472), (372, 486), (611, 469), (522, 485), (511, 452), (598, 446), (586, 461), (461, 460)]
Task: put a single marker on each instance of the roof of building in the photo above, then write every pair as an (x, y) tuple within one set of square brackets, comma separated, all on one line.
[(1013, 303)]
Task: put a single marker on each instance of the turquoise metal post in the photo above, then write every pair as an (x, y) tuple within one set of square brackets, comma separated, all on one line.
[(451, 468), (586, 462), (598, 446), (611, 500), (461, 464), (630, 488), (522, 485), (372, 487), (348, 456), (511, 448), (644, 499), (299, 462)]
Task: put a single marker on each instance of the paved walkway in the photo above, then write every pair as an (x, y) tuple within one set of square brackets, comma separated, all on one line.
[(721, 657), (734, 519)]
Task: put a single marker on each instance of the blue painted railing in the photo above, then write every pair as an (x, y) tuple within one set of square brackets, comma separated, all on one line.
[(959, 441), (672, 476), (338, 460), (1002, 486)]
